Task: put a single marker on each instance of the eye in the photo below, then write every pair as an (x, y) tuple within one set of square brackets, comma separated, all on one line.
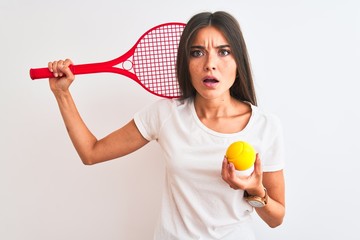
[(196, 53), (224, 52)]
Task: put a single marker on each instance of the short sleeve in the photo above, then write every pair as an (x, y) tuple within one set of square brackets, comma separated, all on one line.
[(273, 155), (150, 119)]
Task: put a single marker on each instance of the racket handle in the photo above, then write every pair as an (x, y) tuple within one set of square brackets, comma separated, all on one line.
[(39, 73)]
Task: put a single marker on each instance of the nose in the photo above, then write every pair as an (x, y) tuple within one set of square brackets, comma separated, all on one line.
[(208, 68), (210, 63)]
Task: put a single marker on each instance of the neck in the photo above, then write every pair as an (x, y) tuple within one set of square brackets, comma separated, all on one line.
[(214, 108)]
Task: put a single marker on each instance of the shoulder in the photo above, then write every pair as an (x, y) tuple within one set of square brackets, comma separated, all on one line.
[(151, 119), (162, 109), (166, 105), (265, 116), (266, 120), (270, 143)]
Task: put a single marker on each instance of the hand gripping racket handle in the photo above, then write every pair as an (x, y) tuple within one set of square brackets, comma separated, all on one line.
[(39, 73)]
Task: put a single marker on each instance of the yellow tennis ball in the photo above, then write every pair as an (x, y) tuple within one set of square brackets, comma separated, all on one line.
[(241, 154)]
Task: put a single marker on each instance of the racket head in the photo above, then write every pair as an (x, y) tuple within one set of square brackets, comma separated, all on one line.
[(154, 59)]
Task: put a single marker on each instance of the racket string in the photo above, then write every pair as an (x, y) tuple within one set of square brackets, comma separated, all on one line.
[(155, 60)]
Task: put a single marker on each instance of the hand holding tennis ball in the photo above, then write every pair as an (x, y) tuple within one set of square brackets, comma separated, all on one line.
[(241, 154)]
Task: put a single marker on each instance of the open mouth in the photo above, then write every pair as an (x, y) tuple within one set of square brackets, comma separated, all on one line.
[(210, 82)]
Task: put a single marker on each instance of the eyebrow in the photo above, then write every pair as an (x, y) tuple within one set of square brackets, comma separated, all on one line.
[(219, 47)]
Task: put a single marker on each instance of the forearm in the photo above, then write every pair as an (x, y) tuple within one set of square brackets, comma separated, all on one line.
[(82, 139), (273, 213)]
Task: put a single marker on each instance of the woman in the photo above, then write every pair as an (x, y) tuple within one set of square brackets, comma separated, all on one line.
[(203, 196)]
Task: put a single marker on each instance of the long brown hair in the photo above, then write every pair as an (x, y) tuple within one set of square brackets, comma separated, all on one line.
[(243, 87)]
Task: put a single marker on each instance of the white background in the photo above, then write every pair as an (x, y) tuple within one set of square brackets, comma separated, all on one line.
[(305, 57)]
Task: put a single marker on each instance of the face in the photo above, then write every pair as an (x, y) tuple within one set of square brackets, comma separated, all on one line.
[(211, 64)]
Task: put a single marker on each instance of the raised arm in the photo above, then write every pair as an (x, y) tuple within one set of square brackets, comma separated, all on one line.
[(91, 150)]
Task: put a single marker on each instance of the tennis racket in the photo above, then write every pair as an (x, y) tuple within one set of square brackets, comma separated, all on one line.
[(151, 62)]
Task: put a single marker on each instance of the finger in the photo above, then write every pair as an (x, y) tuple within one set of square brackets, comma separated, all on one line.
[(60, 67), (225, 171), (68, 73), (68, 62), (257, 165), (232, 171), (233, 177), (228, 173), (66, 69), (54, 67), (224, 167), (50, 66)]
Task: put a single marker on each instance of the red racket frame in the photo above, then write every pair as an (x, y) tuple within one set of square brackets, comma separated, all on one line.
[(108, 66)]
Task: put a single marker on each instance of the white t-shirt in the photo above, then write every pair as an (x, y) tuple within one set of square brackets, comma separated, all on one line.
[(196, 202)]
